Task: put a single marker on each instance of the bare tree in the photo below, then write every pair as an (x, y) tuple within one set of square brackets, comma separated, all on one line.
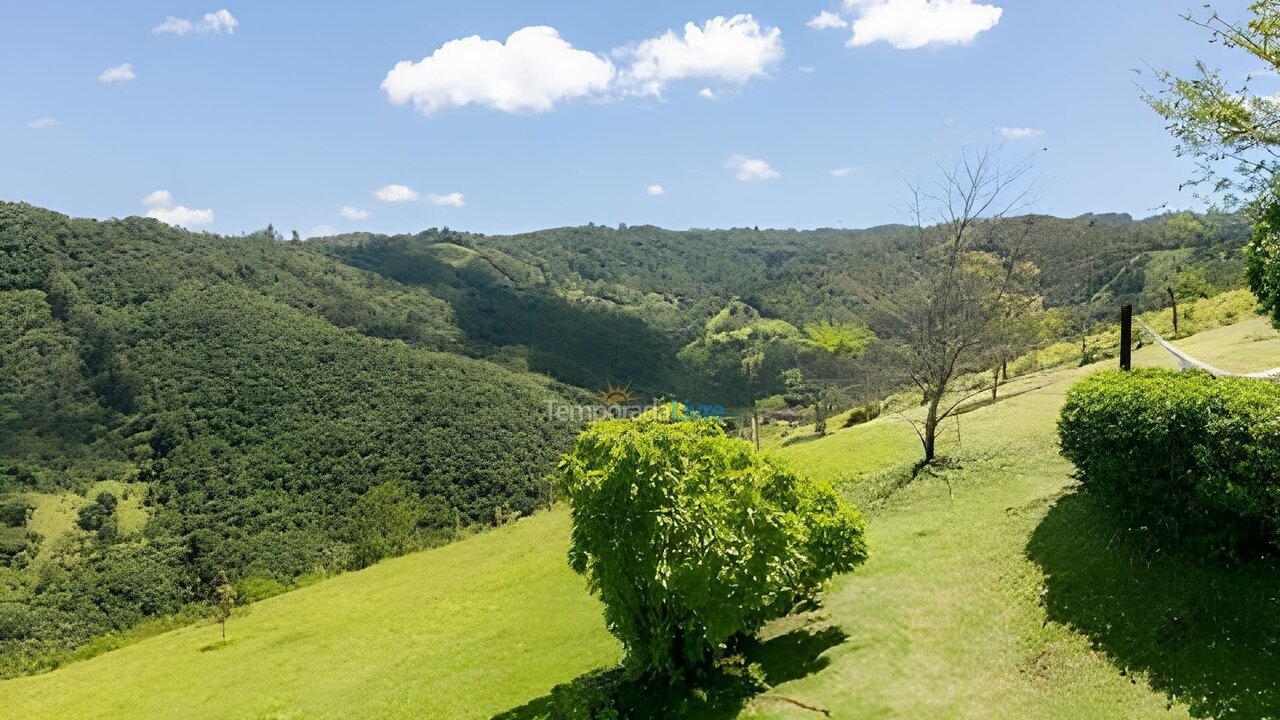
[(970, 280)]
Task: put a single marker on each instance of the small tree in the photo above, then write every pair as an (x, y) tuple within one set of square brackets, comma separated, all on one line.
[(803, 393), (693, 540), (224, 601), (970, 281), (384, 523)]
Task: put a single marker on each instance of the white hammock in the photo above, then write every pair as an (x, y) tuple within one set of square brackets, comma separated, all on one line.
[(1186, 362)]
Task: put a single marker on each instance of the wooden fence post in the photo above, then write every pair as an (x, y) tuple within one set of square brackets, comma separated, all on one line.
[(1126, 337)]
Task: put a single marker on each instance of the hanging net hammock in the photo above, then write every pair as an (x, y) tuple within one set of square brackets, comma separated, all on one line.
[(1186, 362)]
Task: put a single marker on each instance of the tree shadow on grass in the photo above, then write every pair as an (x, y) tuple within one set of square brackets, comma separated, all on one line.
[(723, 695), (1205, 633)]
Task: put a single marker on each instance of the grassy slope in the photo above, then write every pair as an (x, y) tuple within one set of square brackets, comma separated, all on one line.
[(976, 603), (463, 631)]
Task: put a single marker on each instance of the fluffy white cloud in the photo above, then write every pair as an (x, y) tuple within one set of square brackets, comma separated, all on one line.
[(656, 190), (842, 171), (453, 199), (827, 20), (396, 193), (729, 50), (535, 69), (41, 123), (751, 169), (161, 206), (910, 24), (351, 213), (1018, 133), (707, 94), (120, 73), (532, 71), (219, 22)]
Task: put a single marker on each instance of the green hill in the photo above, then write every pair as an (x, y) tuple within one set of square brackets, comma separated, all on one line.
[(594, 304), (993, 590), (176, 407)]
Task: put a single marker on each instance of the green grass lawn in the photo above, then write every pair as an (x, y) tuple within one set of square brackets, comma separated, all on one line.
[(993, 591)]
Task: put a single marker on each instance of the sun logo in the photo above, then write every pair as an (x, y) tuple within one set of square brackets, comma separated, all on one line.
[(611, 395)]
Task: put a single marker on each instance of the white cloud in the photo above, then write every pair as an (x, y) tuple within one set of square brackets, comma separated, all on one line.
[(119, 73), (396, 194), (453, 199), (656, 190), (532, 71), (842, 171), (707, 94), (159, 198), (751, 169), (910, 24), (161, 206), (535, 69), (218, 23), (351, 213), (827, 20), (1018, 133), (41, 123), (729, 50)]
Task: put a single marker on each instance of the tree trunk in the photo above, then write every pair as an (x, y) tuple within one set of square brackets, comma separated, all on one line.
[(930, 439), (224, 629), (995, 383), (755, 426), (1174, 299), (1004, 369)]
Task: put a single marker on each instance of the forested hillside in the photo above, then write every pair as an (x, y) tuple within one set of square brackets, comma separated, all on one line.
[(557, 293), (246, 396), (180, 411)]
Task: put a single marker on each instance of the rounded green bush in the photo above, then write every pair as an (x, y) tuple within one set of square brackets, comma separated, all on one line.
[(693, 539), (1192, 459)]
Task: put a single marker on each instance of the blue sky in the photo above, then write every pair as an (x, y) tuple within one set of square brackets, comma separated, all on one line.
[(285, 112)]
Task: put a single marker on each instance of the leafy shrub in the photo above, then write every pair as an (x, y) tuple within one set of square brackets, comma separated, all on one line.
[(252, 589), (1194, 460), (694, 540), (14, 512), (863, 415)]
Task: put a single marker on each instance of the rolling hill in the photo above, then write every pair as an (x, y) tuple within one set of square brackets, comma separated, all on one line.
[(994, 589)]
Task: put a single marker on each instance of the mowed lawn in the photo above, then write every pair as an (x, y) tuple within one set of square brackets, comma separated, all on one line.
[(993, 591)]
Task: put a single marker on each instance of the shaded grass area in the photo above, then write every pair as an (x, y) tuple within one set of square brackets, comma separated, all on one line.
[(1206, 634), (722, 695)]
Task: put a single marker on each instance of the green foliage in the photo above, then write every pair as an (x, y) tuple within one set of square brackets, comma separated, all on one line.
[(224, 601), (1228, 125), (254, 391), (100, 516), (693, 540), (846, 339), (1192, 459), (1262, 256), (862, 415), (742, 350), (384, 523)]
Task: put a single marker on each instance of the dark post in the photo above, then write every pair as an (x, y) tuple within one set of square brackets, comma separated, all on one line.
[(1126, 337)]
